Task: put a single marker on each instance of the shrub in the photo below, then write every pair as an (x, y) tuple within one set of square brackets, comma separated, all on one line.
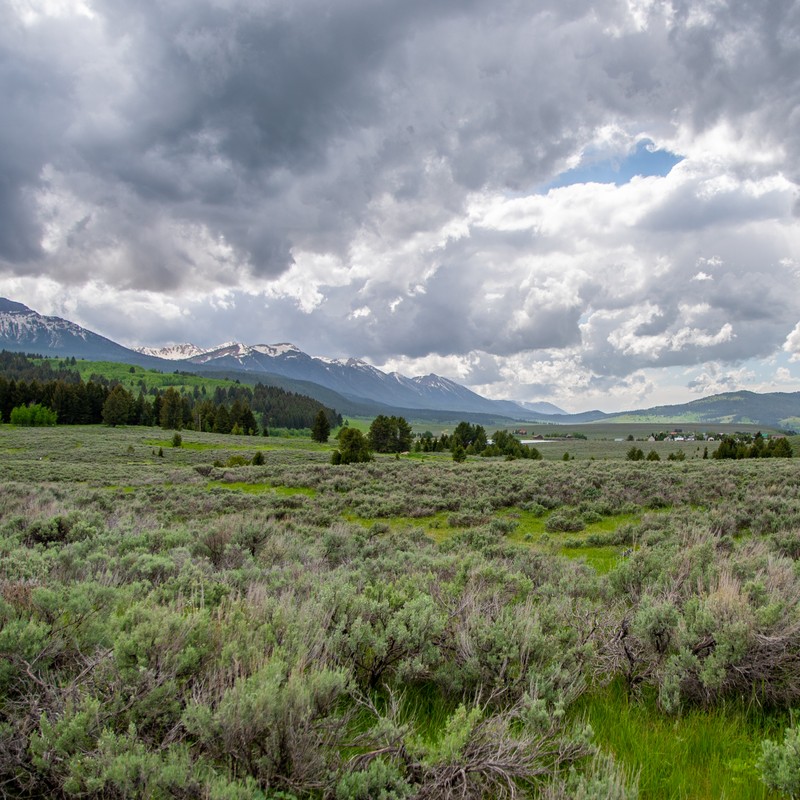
[(177, 441), (258, 458), (780, 763), (381, 779), (603, 780), (34, 415), (273, 723), (467, 519), (564, 521), (534, 508), (503, 526)]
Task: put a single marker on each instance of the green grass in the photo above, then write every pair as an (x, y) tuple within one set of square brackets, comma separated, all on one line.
[(434, 526), (262, 488), (602, 558), (130, 376), (530, 532), (189, 445), (700, 754)]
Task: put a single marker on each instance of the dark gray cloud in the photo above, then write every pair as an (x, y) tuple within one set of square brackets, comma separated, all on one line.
[(361, 176)]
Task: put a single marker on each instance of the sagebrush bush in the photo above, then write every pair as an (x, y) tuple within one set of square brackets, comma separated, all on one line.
[(564, 522), (780, 763)]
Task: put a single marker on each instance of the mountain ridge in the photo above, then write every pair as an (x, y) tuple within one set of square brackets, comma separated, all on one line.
[(25, 330), (770, 409)]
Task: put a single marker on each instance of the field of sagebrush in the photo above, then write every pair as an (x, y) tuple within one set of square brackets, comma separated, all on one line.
[(176, 622)]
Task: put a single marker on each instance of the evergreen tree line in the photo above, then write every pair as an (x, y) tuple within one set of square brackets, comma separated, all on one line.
[(730, 447), (22, 367), (469, 439), (92, 402), (394, 435), (74, 403)]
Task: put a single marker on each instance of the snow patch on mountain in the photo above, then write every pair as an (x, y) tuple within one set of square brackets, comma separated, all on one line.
[(172, 352), (244, 352), (275, 350), (19, 324)]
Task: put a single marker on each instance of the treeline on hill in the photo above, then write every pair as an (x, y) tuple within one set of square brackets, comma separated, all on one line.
[(76, 402)]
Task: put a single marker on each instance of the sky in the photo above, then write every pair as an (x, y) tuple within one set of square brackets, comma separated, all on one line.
[(593, 203)]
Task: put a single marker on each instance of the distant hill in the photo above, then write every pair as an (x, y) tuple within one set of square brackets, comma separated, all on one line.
[(772, 410), (541, 407)]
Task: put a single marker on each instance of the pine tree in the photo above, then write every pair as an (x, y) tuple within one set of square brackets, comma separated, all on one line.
[(353, 448), (117, 408), (322, 428), (171, 416)]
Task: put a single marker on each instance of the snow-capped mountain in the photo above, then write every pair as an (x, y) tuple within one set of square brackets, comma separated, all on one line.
[(242, 352), (24, 330), (354, 378), (172, 352)]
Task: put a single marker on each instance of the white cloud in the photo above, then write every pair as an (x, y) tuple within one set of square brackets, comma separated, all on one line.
[(31, 12), (364, 311), (792, 343)]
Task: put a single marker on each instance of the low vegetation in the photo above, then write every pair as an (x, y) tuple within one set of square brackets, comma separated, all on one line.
[(230, 619)]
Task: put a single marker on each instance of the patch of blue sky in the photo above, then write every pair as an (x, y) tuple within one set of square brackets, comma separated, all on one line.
[(645, 161)]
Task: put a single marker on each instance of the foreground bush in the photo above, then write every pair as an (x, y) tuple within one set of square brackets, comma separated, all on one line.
[(780, 763)]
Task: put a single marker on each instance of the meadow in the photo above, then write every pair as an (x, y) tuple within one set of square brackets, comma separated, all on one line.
[(179, 622)]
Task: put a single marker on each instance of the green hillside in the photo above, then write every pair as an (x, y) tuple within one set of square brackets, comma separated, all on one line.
[(775, 409)]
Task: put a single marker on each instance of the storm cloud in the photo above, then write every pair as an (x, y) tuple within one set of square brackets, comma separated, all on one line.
[(417, 184)]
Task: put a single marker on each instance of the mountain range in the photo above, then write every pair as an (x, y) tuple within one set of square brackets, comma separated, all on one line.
[(352, 378), (351, 385), (354, 387)]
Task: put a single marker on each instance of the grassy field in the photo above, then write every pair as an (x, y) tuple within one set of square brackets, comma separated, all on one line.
[(178, 616), (132, 377)]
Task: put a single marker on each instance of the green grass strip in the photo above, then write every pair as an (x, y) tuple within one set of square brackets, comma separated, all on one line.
[(704, 753)]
